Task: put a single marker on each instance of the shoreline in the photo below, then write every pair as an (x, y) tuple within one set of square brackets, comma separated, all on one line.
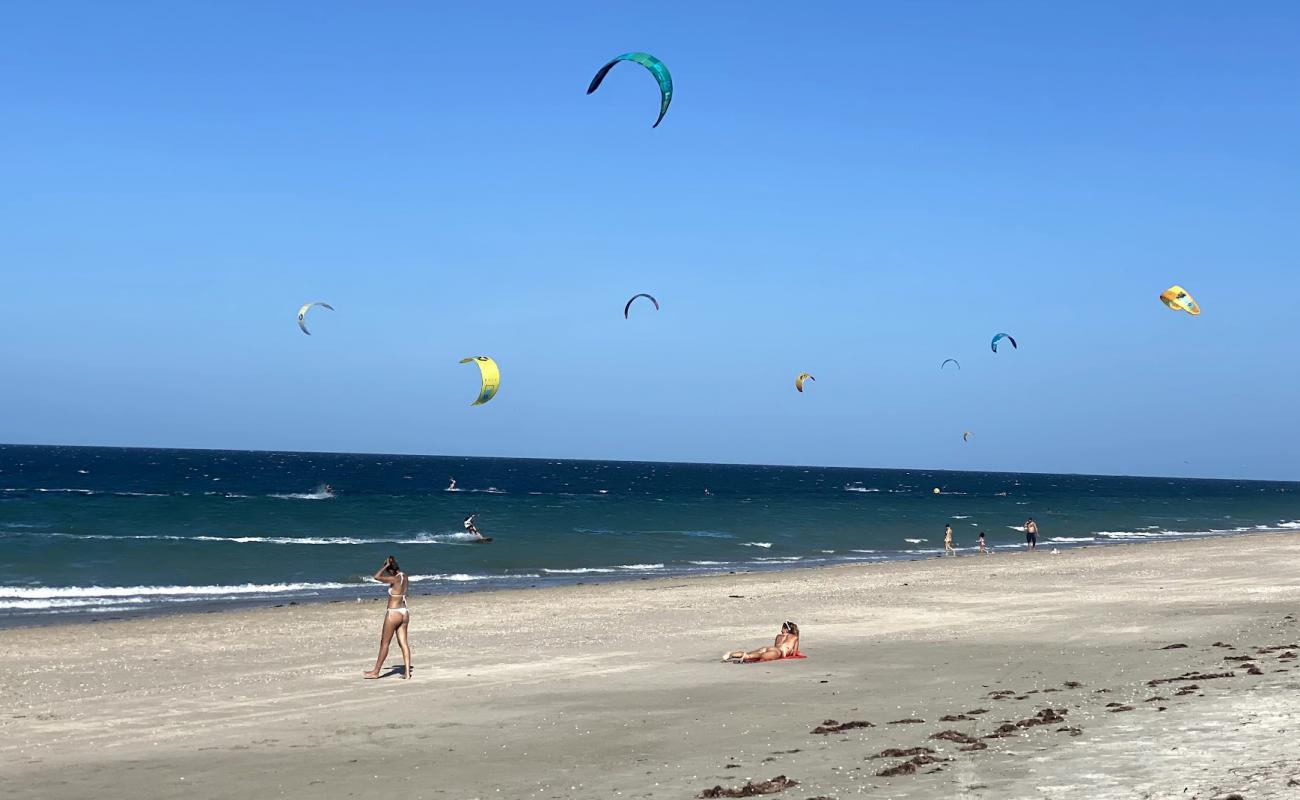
[(615, 689), (360, 594)]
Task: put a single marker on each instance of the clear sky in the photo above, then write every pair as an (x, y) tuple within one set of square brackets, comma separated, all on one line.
[(856, 190)]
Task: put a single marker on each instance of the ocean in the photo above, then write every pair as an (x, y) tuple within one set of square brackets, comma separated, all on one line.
[(111, 531)]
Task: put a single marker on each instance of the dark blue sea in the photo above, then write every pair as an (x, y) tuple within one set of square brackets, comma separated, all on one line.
[(112, 531)]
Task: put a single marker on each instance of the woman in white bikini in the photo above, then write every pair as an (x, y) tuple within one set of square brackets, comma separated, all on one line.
[(396, 617), (785, 646)]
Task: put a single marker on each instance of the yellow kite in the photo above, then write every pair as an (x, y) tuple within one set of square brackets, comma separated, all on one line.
[(491, 378), (1177, 298), (803, 376)]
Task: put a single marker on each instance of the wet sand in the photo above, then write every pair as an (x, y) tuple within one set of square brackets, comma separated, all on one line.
[(1043, 663)]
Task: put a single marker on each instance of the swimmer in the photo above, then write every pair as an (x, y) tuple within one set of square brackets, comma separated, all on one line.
[(785, 646)]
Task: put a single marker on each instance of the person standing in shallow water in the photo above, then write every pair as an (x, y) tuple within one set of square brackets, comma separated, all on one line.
[(397, 617), (1031, 533), (984, 545), (947, 541)]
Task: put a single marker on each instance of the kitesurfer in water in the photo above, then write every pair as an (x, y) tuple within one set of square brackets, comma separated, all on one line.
[(451, 487), (785, 646), (469, 525)]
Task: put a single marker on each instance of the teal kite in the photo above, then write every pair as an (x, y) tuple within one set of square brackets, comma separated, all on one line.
[(1002, 336), (656, 68)]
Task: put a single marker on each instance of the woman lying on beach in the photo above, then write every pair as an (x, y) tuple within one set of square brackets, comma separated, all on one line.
[(396, 617), (785, 646)]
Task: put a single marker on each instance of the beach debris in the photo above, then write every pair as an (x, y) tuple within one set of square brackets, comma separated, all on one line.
[(1122, 708), (1176, 646), (1002, 731), (1177, 298), (1184, 690), (977, 711), (999, 337), (1191, 676), (1072, 684), (1154, 699), (1000, 694), (1228, 796), (908, 721), (491, 378), (1070, 729), (627, 307), (1273, 648), (302, 314), (894, 752), (665, 80), (1238, 658), (948, 361), (974, 746), (1252, 669), (954, 736), (803, 376), (1287, 656), (832, 726), (1222, 644), (903, 768), (752, 789), (954, 718), (1045, 716), (1051, 689)]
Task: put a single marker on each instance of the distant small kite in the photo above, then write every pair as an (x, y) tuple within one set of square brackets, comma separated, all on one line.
[(965, 437), (803, 376), (1000, 337), (627, 307), (1178, 299), (491, 378), (302, 315), (656, 68), (948, 361)]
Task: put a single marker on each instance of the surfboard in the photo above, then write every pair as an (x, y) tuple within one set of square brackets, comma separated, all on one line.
[(484, 540)]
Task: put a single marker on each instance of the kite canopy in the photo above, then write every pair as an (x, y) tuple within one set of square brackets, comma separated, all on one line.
[(634, 297), (803, 376), (1002, 336), (948, 361), (491, 378), (1177, 298), (302, 315), (656, 68), (965, 437)]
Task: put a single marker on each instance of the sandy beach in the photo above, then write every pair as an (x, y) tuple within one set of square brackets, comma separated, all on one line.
[(1044, 665)]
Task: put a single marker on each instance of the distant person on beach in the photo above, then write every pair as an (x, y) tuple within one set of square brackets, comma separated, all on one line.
[(984, 547), (785, 646), (947, 541), (396, 618), (469, 525), (1031, 533)]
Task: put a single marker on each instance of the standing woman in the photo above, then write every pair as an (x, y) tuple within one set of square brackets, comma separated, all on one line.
[(396, 617)]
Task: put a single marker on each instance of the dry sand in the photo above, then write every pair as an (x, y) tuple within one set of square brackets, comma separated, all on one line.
[(615, 691)]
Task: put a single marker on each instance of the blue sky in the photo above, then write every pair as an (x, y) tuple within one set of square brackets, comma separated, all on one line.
[(854, 190)]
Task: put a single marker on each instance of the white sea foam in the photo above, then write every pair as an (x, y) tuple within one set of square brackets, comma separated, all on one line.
[(915, 541), (709, 563), (640, 566), (861, 489), (962, 516), (1020, 528), (41, 597), (317, 495), (1072, 539), (578, 571), (764, 545)]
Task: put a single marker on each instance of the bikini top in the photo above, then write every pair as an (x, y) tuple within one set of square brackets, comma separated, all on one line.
[(390, 589)]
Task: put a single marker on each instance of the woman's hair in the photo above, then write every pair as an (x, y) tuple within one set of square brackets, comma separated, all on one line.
[(791, 627), (392, 568)]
